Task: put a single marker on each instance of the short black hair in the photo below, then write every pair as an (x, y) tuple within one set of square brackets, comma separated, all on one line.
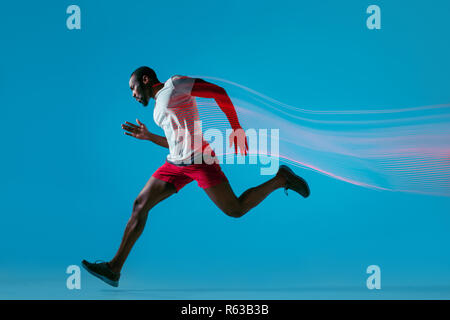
[(141, 71)]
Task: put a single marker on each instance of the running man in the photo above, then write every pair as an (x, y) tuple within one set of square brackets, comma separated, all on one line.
[(175, 111)]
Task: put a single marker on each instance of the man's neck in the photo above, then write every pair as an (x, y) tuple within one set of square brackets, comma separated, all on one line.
[(156, 87)]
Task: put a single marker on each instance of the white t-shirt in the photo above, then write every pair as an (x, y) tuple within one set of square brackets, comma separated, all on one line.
[(176, 113)]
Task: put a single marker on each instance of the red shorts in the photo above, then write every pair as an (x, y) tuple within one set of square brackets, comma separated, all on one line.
[(206, 175)]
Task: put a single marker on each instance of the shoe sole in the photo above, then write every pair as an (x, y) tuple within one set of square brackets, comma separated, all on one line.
[(308, 191), (103, 278)]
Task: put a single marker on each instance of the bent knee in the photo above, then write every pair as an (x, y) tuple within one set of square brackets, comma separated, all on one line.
[(234, 213), (139, 201), (143, 203), (140, 208)]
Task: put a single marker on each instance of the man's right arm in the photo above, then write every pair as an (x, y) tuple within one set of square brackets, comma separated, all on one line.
[(159, 140), (141, 132)]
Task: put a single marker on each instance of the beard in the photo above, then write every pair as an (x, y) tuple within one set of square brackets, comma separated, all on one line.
[(145, 101)]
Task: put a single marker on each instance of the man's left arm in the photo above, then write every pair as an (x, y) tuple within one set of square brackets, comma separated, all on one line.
[(204, 89)]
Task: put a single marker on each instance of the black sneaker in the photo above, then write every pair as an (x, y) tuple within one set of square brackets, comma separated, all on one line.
[(294, 182), (102, 271)]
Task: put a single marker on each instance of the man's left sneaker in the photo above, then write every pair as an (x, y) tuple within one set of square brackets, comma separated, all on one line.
[(102, 271)]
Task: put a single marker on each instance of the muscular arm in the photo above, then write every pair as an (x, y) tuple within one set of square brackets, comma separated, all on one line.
[(205, 89)]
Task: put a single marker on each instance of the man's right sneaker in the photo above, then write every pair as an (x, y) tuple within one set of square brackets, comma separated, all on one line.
[(294, 182), (102, 271)]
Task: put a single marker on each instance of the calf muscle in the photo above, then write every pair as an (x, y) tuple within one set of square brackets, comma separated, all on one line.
[(154, 192)]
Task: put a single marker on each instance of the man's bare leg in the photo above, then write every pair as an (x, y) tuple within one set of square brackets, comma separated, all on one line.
[(223, 196), (154, 192)]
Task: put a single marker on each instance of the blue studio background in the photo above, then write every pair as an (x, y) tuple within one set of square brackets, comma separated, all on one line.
[(70, 176)]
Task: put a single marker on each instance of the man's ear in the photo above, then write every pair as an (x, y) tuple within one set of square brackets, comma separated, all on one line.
[(145, 79)]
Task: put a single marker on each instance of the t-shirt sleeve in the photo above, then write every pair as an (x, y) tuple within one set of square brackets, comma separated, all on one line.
[(183, 84)]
